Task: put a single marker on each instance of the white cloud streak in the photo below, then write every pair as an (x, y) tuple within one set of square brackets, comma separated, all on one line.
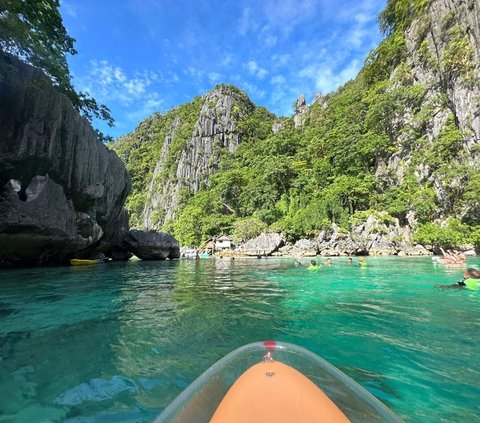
[(108, 82), (255, 70)]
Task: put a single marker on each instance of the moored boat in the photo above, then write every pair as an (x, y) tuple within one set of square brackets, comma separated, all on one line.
[(274, 382)]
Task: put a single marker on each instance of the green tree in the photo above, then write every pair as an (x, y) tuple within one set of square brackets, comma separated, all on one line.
[(452, 234), (248, 228), (33, 31), (203, 217)]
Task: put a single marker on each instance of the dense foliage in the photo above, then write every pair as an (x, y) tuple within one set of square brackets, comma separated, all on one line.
[(33, 31), (334, 167)]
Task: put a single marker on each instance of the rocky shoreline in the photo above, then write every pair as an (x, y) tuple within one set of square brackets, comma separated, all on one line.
[(376, 235)]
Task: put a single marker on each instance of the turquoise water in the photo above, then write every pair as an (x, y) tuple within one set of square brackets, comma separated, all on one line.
[(117, 342)]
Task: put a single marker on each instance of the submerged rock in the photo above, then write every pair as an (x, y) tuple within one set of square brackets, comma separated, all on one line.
[(152, 245)]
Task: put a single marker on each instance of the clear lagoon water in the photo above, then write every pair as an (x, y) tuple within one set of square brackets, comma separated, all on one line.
[(117, 342)]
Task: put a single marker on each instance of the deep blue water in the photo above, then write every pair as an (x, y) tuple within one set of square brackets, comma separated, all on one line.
[(118, 341)]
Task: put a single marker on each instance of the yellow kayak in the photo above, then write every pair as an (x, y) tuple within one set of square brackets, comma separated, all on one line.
[(85, 262)]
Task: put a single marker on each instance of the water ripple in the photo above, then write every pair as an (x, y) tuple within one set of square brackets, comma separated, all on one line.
[(127, 338)]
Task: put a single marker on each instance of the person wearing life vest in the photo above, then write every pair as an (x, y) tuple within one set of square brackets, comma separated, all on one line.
[(362, 262), (313, 265), (471, 279)]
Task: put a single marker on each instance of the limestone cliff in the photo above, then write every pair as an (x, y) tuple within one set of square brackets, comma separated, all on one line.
[(61, 190), (182, 149), (403, 138), (215, 132), (443, 60)]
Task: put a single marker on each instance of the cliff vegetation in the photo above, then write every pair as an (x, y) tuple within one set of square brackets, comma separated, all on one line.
[(402, 138)]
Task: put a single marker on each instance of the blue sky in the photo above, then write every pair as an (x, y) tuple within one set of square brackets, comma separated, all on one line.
[(145, 56)]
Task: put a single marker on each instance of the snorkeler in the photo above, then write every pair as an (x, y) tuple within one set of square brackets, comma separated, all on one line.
[(362, 262), (313, 265), (471, 280)]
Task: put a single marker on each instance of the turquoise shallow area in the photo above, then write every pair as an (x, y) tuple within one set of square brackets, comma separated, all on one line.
[(117, 342)]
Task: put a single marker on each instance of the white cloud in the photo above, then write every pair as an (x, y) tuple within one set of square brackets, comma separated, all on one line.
[(350, 72), (227, 60), (261, 73), (361, 26), (110, 83), (119, 76), (267, 37), (194, 72), (285, 14), (270, 41), (326, 78), (214, 77), (279, 60), (112, 86), (253, 90), (245, 21), (253, 68), (356, 36), (151, 103), (363, 18), (361, 11), (278, 80)]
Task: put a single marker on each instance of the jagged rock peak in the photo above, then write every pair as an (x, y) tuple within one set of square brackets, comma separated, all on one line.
[(320, 100), (222, 108), (214, 133), (300, 104), (301, 108)]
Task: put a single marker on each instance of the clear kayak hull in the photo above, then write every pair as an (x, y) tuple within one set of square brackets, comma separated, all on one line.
[(206, 395)]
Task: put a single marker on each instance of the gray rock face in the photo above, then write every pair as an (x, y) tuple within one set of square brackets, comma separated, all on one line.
[(334, 242), (377, 235), (264, 245), (301, 110), (115, 246), (277, 127), (62, 190), (305, 247), (416, 250), (452, 79), (151, 245), (215, 131)]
